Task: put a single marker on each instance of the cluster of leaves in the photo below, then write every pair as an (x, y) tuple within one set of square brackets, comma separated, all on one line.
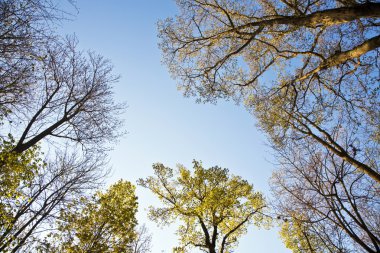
[(17, 169), (104, 222), (51, 188), (17, 173), (295, 236)]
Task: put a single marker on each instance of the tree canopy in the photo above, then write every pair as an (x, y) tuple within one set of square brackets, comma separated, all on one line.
[(34, 195), (305, 69), (105, 222), (71, 100), (25, 26), (215, 208), (324, 204)]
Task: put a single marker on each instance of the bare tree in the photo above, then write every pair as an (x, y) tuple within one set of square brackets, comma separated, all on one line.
[(142, 242), (72, 100), (25, 25), (325, 205)]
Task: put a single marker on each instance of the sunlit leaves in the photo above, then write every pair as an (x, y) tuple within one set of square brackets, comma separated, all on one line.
[(214, 207), (304, 69), (17, 172), (104, 222)]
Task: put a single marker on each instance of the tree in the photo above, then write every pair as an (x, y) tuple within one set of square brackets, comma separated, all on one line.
[(25, 25), (104, 222), (143, 240), (304, 69), (39, 191), (48, 87), (215, 207), (325, 204), (72, 100)]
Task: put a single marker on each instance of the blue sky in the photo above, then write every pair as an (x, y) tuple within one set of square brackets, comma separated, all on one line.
[(162, 125)]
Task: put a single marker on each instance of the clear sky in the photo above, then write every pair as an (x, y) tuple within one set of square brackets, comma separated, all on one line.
[(162, 125)]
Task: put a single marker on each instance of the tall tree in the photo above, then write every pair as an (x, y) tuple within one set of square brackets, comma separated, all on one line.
[(39, 190), (215, 207), (25, 25), (325, 204), (72, 100), (305, 69), (48, 87), (143, 241), (104, 222)]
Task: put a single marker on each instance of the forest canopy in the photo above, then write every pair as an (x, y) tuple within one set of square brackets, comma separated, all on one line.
[(309, 71), (313, 66)]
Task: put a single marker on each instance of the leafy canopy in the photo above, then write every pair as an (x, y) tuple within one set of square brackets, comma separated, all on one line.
[(103, 223), (305, 69), (215, 208), (17, 172)]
